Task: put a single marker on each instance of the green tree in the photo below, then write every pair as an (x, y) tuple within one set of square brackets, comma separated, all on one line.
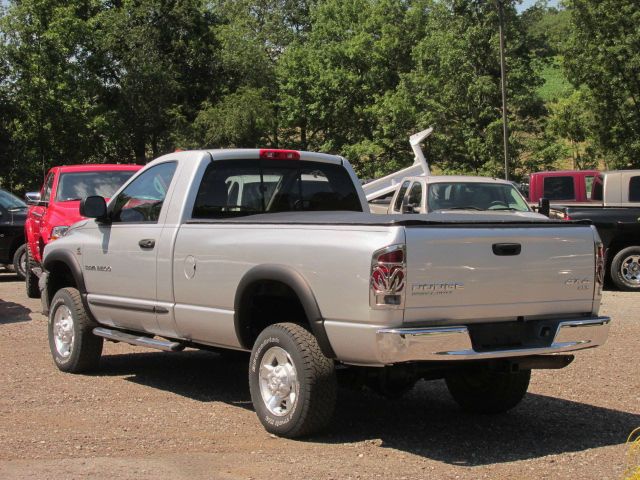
[(331, 80), (603, 56), (156, 62), (95, 81), (253, 34), (455, 86), (46, 87), (547, 28), (242, 119), (571, 120)]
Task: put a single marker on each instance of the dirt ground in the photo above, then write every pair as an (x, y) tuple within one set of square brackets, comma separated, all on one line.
[(188, 415)]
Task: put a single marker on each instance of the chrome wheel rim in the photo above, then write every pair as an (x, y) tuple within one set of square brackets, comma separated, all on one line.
[(279, 384), (630, 269), (63, 331)]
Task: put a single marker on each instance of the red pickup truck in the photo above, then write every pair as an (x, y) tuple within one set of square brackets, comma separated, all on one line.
[(561, 186), (56, 206)]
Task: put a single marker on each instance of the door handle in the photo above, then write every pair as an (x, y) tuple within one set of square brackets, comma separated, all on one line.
[(147, 243), (507, 249)]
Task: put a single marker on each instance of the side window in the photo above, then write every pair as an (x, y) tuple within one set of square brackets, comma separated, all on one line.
[(588, 185), (436, 194), (400, 197), (634, 189), (415, 196), (142, 200), (559, 188), (597, 188), (46, 194)]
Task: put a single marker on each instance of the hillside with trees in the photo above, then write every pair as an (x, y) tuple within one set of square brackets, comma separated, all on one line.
[(128, 80)]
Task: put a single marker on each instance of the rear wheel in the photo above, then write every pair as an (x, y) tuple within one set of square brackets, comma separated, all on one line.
[(73, 346), (487, 391), (625, 269), (392, 384), (20, 261), (293, 385), (31, 279)]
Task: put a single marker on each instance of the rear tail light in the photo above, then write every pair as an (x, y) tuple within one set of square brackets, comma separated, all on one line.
[(279, 154), (565, 216), (387, 280), (599, 247)]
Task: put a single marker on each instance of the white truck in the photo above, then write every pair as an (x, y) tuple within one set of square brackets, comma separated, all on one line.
[(275, 252), (432, 193), (415, 190)]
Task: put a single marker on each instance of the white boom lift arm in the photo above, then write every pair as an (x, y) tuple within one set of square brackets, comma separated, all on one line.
[(420, 167)]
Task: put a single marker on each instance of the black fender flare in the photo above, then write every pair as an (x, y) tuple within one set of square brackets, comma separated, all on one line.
[(67, 258), (294, 280)]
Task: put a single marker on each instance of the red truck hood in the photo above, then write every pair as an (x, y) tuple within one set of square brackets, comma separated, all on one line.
[(64, 213)]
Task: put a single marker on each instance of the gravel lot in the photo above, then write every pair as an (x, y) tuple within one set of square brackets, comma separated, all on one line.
[(152, 415)]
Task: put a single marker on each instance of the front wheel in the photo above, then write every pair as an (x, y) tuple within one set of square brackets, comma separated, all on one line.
[(625, 269), (293, 385), (20, 261), (487, 391), (74, 347), (31, 279)]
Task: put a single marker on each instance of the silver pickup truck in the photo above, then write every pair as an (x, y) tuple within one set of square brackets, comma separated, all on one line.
[(275, 252)]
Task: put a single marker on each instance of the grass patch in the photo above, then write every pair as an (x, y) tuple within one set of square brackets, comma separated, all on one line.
[(555, 84)]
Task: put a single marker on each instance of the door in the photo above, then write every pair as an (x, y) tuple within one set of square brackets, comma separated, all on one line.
[(35, 218), (12, 213), (396, 207), (6, 235), (413, 203), (119, 260)]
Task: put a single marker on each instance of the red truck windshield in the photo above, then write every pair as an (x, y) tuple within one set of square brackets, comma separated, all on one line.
[(79, 185), (243, 187)]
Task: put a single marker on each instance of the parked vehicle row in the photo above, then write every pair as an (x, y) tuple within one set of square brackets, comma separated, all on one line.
[(615, 211), (275, 252)]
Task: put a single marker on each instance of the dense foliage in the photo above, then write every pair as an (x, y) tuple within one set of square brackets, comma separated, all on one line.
[(128, 80)]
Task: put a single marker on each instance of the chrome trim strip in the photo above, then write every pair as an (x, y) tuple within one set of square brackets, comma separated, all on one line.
[(397, 345)]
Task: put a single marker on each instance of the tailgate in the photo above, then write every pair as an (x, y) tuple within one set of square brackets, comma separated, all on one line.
[(498, 273)]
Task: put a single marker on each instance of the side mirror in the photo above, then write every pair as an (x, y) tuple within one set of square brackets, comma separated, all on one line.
[(543, 206), (94, 207), (33, 198), (410, 208)]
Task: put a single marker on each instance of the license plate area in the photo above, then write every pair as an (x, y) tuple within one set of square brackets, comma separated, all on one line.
[(517, 334)]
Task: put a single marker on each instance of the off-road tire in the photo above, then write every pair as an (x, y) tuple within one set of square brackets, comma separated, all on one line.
[(19, 263), (86, 348), (31, 279), (487, 391), (616, 271), (316, 399)]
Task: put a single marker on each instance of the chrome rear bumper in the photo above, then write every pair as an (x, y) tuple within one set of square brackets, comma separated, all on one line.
[(397, 345)]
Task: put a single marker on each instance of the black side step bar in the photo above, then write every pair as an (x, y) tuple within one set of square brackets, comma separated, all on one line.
[(118, 336)]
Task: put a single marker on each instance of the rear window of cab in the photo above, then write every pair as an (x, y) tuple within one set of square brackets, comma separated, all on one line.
[(233, 188)]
